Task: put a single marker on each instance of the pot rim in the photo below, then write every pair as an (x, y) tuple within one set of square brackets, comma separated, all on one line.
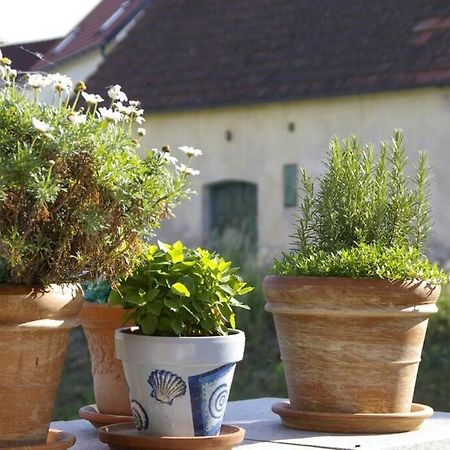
[(234, 334)]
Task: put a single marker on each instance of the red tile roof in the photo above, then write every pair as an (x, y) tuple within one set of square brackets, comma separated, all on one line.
[(25, 56), (197, 53), (104, 22)]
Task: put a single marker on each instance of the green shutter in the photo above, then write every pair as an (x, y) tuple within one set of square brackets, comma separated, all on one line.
[(290, 177)]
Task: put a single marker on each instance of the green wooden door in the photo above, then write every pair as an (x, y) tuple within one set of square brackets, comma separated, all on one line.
[(233, 213)]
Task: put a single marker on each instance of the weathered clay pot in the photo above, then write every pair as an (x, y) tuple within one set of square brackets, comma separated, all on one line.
[(350, 346), (99, 323), (34, 327)]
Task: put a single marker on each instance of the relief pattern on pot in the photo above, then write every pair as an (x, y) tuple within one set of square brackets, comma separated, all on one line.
[(140, 415), (166, 386), (209, 395), (103, 358)]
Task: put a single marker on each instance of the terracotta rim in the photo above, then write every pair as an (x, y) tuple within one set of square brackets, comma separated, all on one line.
[(125, 436), (98, 419), (56, 440), (358, 422)]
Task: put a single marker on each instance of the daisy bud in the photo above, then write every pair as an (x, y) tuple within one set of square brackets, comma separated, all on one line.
[(80, 86)]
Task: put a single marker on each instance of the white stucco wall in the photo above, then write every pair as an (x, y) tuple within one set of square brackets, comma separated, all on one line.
[(262, 144)]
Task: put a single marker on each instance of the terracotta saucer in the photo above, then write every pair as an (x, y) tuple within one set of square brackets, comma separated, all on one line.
[(56, 440), (97, 419), (353, 423), (124, 436)]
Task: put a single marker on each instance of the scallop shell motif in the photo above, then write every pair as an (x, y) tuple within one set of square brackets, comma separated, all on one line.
[(166, 386), (139, 414)]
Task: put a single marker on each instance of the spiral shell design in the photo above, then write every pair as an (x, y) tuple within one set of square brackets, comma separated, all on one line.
[(139, 414), (166, 386), (218, 401)]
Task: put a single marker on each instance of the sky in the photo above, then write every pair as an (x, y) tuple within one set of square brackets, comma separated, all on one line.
[(25, 21)]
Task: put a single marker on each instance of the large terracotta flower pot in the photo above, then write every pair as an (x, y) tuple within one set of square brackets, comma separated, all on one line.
[(34, 327), (99, 323), (350, 346)]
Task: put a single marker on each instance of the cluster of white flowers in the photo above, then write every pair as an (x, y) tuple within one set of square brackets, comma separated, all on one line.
[(119, 110), (60, 83), (188, 151)]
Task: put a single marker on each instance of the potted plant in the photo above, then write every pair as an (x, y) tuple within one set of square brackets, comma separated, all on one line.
[(351, 301), (179, 360), (76, 202), (99, 320)]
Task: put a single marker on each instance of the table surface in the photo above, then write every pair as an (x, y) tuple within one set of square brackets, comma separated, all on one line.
[(265, 431)]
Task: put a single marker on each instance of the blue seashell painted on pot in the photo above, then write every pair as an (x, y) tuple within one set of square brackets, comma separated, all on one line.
[(166, 386), (140, 415)]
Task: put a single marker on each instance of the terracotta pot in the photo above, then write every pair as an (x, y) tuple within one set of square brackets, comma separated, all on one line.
[(99, 323), (350, 346), (34, 327)]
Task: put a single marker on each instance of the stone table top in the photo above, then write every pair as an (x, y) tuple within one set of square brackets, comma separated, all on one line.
[(265, 431)]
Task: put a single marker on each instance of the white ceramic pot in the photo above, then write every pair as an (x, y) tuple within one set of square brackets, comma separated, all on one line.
[(179, 386)]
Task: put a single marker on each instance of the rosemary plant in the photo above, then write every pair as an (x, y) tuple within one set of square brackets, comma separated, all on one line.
[(367, 218)]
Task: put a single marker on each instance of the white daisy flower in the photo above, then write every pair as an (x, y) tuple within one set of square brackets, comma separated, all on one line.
[(115, 93), (41, 126), (141, 131), (110, 115), (188, 170), (92, 99), (77, 118), (37, 81), (122, 108), (61, 83), (168, 157), (190, 151)]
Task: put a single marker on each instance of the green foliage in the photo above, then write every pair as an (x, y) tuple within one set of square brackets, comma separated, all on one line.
[(76, 200), (363, 261), (367, 218), (177, 291)]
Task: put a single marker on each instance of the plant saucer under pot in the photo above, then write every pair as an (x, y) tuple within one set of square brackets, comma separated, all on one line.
[(179, 386)]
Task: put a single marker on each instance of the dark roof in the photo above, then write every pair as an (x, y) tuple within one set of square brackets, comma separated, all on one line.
[(104, 22), (25, 56), (197, 53)]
